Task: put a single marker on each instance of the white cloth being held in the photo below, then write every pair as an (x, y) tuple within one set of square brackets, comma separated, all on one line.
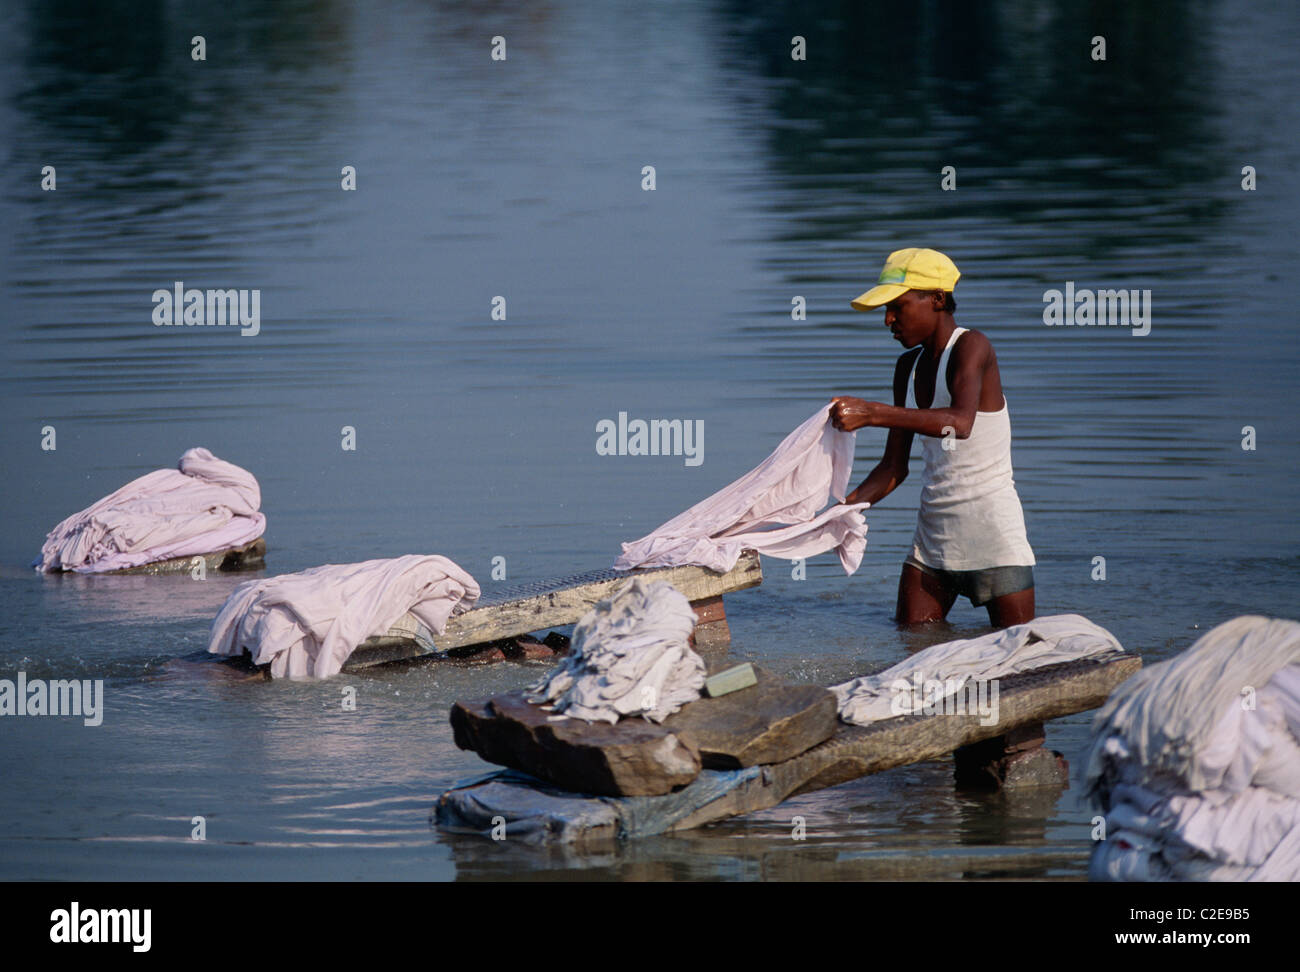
[(1051, 640), (772, 509), (630, 655), (306, 625)]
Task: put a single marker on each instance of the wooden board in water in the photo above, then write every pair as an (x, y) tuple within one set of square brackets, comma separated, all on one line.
[(250, 556), (542, 814), (520, 609)]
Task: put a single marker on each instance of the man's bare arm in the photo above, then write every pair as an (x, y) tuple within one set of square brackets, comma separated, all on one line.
[(972, 357), (892, 468)]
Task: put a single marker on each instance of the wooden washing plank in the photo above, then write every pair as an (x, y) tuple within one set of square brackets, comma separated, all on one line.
[(250, 556), (519, 609), (854, 751)]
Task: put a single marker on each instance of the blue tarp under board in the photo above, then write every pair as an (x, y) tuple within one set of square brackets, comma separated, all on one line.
[(539, 813)]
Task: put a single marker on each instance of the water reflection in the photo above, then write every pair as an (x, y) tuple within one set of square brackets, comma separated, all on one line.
[(521, 178)]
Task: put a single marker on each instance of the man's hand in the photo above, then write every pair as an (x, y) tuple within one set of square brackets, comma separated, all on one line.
[(849, 414)]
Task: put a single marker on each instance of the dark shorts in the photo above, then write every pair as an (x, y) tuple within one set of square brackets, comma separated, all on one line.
[(981, 586)]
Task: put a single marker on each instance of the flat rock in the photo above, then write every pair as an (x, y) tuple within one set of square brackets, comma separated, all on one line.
[(772, 721), (631, 758)]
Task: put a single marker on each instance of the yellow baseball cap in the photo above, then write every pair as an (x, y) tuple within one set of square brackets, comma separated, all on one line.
[(910, 269)]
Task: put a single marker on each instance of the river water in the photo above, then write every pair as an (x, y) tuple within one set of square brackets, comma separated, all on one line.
[(475, 437)]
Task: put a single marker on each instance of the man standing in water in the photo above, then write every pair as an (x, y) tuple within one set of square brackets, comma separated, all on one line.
[(970, 534)]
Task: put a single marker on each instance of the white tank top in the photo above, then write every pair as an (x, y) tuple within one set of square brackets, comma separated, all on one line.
[(970, 515)]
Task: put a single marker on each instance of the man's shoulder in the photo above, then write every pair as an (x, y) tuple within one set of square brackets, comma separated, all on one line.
[(973, 342), (973, 335)]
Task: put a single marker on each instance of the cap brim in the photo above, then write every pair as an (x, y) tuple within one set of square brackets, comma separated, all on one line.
[(878, 296)]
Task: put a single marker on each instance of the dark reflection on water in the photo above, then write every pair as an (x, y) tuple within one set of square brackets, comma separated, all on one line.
[(477, 178)]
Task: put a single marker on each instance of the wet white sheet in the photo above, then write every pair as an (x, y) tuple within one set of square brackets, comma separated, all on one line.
[(775, 509), (306, 625)]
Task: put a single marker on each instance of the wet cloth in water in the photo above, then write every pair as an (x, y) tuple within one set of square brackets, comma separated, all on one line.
[(202, 506), (1196, 762), (772, 509), (306, 625), (1051, 640)]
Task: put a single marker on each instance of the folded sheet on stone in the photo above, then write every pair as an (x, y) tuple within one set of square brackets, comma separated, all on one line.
[(1196, 762), (773, 509), (630, 655), (306, 625), (202, 506), (1051, 640)]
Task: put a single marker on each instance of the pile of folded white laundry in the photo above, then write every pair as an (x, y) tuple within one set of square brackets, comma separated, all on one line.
[(202, 506), (630, 656), (1196, 762)]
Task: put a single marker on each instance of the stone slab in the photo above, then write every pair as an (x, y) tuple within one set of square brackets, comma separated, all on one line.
[(630, 758), (769, 722)]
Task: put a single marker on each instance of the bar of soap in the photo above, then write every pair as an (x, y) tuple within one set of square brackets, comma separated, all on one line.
[(731, 680)]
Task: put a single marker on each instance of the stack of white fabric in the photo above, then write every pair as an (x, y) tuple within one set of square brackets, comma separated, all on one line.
[(772, 509), (202, 506), (630, 655), (1196, 762), (1051, 640), (306, 625)]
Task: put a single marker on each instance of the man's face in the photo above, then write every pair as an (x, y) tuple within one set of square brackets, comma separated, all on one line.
[(911, 317)]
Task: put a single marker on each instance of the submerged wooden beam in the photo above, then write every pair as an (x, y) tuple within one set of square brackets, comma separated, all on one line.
[(250, 556), (1015, 759), (520, 609), (541, 814)]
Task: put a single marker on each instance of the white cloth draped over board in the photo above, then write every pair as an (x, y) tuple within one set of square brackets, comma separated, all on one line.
[(1051, 640), (307, 625), (202, 506)]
